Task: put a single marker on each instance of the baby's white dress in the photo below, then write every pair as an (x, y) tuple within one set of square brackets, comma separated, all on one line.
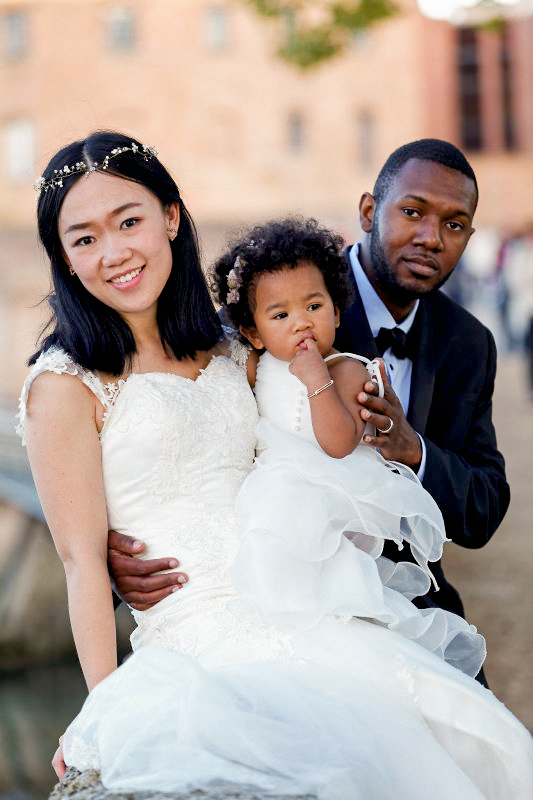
[(311, 678)]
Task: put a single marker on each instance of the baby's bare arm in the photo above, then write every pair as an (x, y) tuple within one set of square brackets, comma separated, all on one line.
[(350, 376), (335, 411)]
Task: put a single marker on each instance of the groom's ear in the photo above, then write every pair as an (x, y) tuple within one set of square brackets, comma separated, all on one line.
[(252, 336)]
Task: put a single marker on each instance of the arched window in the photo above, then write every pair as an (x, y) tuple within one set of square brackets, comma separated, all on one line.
[(217, 29), (19, 150), (121, 27), (366, 135), (15, 30), (296, 133)]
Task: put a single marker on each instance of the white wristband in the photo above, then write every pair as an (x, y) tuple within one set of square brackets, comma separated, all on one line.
[(322, 388)]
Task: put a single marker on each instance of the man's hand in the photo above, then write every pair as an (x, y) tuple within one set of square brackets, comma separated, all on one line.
[(135, 580), (402, 443)]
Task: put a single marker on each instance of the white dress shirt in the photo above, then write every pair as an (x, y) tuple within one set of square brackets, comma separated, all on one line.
[(399, 370)]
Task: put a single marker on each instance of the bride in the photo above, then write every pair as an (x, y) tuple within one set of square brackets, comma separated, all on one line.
[(138, 416)]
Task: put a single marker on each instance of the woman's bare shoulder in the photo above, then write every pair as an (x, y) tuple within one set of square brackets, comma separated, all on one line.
[(59, 405)]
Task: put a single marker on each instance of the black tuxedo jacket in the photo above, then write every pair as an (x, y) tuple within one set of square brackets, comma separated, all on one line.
[(451, 407)]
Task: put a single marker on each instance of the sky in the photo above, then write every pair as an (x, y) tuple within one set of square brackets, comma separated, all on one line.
[(442, 9)]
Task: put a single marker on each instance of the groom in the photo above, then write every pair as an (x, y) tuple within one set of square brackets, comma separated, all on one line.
[(436, 415)]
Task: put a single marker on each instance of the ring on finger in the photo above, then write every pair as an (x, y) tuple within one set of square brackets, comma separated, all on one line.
[(390, 427)]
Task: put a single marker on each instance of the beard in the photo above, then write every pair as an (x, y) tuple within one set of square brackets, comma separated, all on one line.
[(393, 287)]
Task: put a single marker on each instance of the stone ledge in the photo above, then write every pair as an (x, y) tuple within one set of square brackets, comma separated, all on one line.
[(88, 786)]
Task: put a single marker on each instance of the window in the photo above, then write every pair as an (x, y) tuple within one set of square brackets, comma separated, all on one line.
[(469, 98), (121, 27), (15, 34), (19, 150), (361, 40), (509, 130), (217, 29), (365, 137), (296, 133)]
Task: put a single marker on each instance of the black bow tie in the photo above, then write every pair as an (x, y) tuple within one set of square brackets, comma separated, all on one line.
[(399, 342)]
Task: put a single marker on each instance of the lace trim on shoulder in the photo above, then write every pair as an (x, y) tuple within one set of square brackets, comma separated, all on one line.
[(112, 391), (56, 360), (239, 352)]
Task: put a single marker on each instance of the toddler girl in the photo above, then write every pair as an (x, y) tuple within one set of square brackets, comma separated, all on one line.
[(314, 526)]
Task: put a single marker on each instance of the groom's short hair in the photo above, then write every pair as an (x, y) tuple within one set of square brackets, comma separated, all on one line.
[(436, 150)]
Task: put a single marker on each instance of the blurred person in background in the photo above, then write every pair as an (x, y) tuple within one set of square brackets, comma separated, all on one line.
[(516, 267)]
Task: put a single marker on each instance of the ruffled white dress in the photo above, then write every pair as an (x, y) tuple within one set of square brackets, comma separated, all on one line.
[(319, 677)]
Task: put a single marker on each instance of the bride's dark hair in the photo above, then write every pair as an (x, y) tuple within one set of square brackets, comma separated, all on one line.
[(92, 333)]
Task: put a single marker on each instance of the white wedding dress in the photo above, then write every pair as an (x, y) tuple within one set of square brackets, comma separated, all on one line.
[(318, 675)]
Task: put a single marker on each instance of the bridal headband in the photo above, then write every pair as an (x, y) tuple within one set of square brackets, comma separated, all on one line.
[(234, 281), (59, 175), (234, 278)]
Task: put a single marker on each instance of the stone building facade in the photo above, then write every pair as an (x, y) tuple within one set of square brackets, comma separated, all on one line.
[(246, 135)]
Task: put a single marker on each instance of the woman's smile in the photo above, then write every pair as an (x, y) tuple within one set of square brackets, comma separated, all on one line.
[(127, 280)]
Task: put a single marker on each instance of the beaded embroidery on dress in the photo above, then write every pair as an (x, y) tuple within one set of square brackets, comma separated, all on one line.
[(219, 688)]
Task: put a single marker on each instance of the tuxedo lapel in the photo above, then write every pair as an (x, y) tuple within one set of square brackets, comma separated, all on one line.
[(354, 334), (423, 377)]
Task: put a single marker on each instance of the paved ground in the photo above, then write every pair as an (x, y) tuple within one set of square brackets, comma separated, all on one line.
[(496, 583)]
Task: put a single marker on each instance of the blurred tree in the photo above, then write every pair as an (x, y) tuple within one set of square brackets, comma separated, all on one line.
[(313, 31)]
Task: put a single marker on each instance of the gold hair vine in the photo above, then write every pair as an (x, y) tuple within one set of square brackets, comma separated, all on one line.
[(42, 185)]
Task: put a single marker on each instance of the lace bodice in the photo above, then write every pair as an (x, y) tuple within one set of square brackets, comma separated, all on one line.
[(175, 452)]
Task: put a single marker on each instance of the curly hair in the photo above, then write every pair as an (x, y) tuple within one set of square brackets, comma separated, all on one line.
[(277, 245)]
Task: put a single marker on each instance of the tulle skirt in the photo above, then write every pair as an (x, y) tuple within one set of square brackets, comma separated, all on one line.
[(327, 680), (350, 711), (313, 531)]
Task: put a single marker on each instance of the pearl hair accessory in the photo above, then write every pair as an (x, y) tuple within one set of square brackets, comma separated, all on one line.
[(43, 185)]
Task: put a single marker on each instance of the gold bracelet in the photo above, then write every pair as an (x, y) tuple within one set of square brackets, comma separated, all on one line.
[(326, 386)]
